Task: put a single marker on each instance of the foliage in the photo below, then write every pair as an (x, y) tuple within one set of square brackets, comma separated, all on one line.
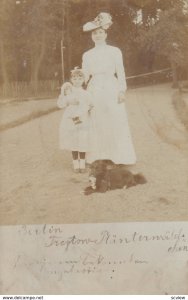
[(7, 43), (32, 31), (167, 36)]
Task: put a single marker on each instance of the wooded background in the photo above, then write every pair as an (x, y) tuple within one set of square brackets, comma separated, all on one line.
[(152, 34)]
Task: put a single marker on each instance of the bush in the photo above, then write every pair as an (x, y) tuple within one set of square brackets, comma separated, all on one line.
[(21, 90)]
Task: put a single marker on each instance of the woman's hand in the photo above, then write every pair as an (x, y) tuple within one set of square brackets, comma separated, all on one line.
[(121, 97), (90, 107)]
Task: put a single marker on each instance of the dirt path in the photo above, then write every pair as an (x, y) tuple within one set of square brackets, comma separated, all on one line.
[(14, 113), (38, 186)]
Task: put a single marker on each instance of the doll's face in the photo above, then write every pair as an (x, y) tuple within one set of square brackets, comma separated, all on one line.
[(98, 35), (68, 90), (77, 80)]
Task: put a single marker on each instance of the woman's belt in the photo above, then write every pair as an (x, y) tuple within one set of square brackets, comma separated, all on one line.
[(103, 75)]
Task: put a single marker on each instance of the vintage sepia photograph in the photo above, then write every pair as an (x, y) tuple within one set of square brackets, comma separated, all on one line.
[(93, 111), (94, 130)]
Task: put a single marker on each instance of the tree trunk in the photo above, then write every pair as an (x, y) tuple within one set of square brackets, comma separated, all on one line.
[(68, 37), (3, 59), (3, 63), (37, 61)]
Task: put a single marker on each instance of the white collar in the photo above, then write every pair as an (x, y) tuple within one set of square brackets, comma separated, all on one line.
[(102, 45)]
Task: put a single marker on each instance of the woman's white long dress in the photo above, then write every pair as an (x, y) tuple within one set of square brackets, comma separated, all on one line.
[(110, 136)]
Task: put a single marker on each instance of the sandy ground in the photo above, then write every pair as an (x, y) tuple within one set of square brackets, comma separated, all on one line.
[(38, 185)]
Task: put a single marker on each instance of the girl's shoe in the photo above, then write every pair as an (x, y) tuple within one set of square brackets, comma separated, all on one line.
[(76, 166)]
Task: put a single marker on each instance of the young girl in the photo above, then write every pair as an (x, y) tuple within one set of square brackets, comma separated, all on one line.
[(74, 126)]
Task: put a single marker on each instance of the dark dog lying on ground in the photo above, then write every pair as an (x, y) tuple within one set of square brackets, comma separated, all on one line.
[(105, 175)]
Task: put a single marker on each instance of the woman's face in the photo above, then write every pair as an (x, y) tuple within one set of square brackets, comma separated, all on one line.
[(99, 35)]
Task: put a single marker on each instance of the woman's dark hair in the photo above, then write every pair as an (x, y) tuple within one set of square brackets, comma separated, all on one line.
[(105, 30)]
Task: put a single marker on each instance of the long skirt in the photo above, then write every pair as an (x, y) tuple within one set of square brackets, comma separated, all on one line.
[(109, 134)]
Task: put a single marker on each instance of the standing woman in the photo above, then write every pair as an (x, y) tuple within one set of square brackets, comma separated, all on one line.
[(105, 77)]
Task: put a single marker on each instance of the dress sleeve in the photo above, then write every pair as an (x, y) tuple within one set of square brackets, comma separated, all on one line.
[(85, 67), (120, 71)]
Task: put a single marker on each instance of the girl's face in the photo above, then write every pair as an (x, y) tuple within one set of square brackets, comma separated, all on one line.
[(99, 35), (77, 80)]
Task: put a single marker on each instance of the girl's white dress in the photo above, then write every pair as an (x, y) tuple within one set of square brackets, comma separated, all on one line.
[(73, 136), (110, 136)]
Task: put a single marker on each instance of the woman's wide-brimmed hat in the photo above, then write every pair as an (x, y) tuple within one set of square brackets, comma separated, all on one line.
[(103, 20)]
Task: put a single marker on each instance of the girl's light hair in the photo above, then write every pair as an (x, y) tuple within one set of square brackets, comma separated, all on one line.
[(77, 72)]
